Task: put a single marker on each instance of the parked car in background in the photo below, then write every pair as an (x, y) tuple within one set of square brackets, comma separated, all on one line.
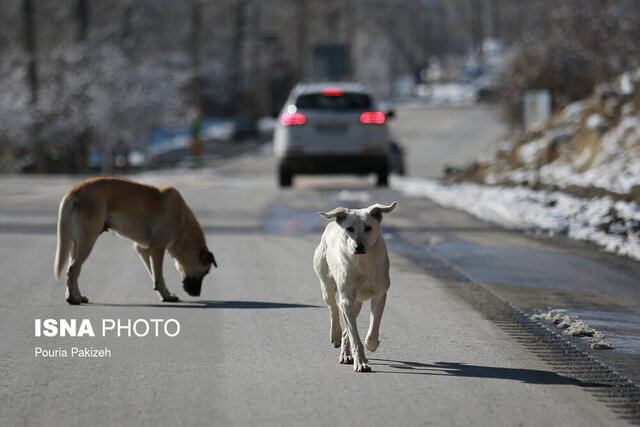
[(331, 128)]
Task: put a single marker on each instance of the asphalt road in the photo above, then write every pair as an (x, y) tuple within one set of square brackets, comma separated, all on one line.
[(445, 136), (254, 348)]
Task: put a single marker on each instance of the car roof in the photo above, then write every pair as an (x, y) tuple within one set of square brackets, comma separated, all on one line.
[(303, 88)]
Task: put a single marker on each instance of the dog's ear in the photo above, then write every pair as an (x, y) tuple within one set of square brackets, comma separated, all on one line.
[(207, 258), (338, 213), (377, 210)]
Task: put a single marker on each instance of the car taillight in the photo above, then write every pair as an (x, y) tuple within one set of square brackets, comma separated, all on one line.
[(332, 91), (292, 119), (372, 117)]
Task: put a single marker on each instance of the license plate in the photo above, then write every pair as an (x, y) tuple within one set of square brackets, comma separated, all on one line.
[(332, 127)]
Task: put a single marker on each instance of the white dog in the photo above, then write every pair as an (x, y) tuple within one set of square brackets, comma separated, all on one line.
[(352, 259)]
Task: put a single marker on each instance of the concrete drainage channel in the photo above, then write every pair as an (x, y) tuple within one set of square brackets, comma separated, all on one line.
[(565, 357)]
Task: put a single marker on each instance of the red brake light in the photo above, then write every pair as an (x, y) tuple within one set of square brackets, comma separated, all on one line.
[(292, 119), (374, 117), (332, 91)]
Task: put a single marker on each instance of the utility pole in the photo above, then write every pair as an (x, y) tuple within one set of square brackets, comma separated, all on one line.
[(195, 110), (477, 33), (496, 19), (79, 149), (237, 52), (82, 14), (194, 47), (31, 47), (28, 10), (350, 7), (301, 38), (255, 98)]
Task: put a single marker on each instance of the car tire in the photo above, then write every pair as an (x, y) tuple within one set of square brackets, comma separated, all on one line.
[(285, 178)]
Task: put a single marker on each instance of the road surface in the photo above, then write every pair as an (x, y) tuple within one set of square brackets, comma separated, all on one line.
[(254, 348)]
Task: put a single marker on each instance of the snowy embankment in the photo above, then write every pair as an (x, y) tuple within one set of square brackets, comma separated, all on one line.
[(593, 144), (578, 174), (613, 225)]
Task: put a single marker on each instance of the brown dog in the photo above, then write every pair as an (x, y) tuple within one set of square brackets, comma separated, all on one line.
[(154, 218)]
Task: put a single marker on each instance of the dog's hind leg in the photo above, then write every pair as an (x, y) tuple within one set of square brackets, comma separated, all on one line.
[(156, 255), (345, 349), (82, 249), (329, 290), (144, 256), (377, 307)]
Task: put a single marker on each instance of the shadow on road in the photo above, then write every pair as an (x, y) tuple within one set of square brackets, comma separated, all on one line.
[(528, 376), (256, 305)]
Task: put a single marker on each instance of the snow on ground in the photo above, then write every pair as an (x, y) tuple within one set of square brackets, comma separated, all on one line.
[(574, 327), (589, 148), (592, 143), (613, 225), (613, 165)]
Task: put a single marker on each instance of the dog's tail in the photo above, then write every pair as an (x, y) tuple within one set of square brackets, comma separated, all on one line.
[(65, 236)]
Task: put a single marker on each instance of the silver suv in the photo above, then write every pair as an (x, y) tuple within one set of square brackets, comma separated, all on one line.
[(331, 128)]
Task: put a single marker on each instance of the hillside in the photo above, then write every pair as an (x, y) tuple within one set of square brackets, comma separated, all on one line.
[(578, 175), (591, 148)]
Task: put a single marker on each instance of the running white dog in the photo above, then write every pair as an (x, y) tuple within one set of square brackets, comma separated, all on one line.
[(352, 259)]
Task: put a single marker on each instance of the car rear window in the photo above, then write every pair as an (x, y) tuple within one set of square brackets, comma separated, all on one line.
[(346, 101)]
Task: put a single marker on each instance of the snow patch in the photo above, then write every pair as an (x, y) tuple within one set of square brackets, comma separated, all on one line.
[(572, 113), (627, 85), (530, 151), (596, 122), (574, 327), (613, 225), (592, 144)]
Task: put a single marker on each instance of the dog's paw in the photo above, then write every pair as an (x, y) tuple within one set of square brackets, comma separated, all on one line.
[(74, 300), (346, 359), (361, 367), (170, 298), (372, 345), (336, 338), (84, 299)]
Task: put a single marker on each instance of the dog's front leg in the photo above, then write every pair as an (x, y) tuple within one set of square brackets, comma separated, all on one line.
[(345, 349), (346, 357), (349, 308), (377, 307), (157, 257)]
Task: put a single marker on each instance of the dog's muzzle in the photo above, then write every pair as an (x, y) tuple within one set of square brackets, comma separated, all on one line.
[(192, 286), (360, 250)]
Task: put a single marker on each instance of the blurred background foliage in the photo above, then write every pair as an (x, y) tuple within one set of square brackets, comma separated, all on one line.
[(79, 77)]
